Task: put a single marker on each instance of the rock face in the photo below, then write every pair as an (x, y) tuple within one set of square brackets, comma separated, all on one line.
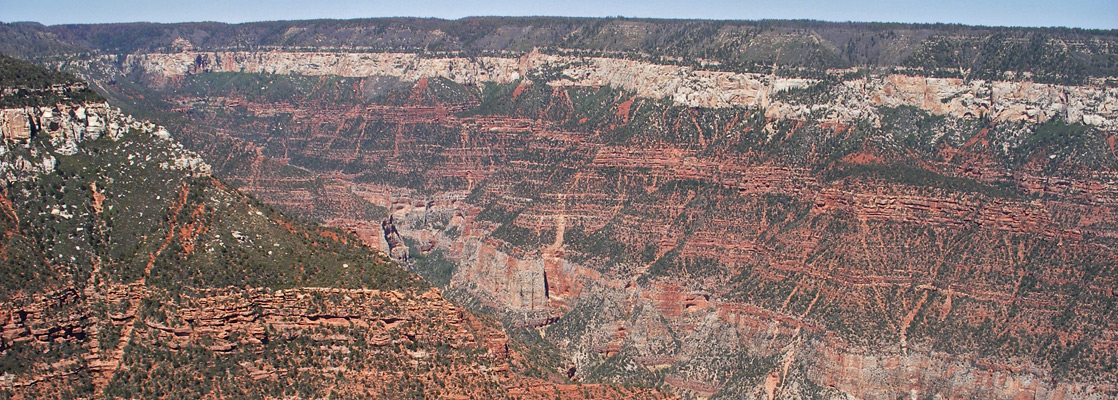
[(871, 233), (66, 126), (854, 99), (396, 247), (14, 125)]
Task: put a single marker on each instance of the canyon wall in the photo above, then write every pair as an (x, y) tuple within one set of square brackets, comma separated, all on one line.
[(128, 270), (862, 233), (854, 99)]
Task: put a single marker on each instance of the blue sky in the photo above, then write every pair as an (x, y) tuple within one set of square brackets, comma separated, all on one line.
[(1099, 14)]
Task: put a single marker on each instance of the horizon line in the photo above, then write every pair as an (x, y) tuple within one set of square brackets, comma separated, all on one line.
[(618, 17)]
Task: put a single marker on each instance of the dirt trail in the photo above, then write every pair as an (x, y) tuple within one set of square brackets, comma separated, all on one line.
[(908, 321), (110, 366)]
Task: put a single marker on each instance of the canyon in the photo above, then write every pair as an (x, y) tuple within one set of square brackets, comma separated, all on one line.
[(100, 300), (876, 231)]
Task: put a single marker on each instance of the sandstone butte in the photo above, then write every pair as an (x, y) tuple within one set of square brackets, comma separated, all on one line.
[(885, 233)]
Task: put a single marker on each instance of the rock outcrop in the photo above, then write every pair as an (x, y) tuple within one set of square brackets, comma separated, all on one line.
[(66, 126)]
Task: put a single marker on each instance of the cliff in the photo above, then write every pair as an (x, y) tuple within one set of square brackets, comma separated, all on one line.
[(852, 99)]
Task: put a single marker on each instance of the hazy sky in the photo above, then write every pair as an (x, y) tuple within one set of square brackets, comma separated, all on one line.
[(1101, 14)]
